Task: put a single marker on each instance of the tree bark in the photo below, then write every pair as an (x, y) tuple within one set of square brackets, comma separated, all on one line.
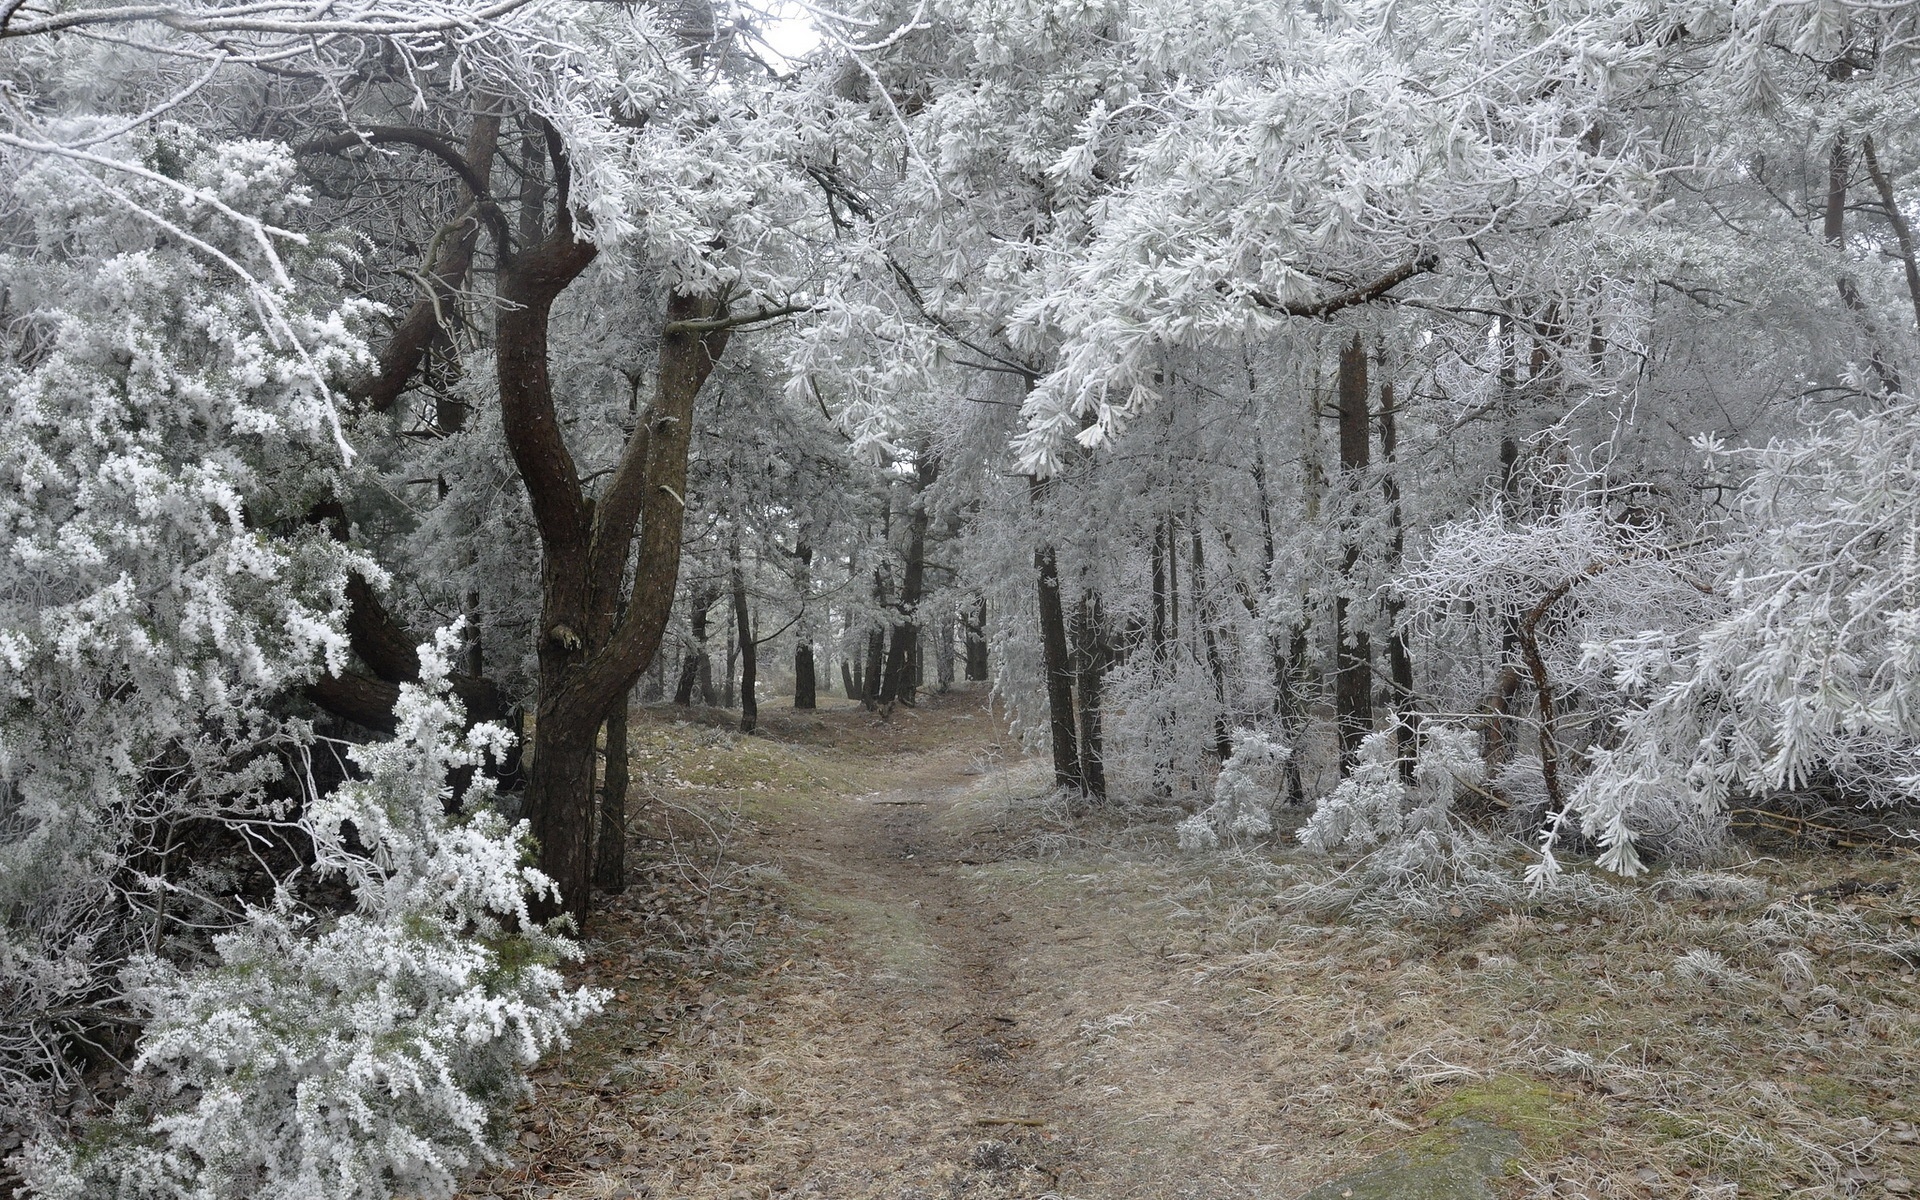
[(1897, 219), (875, 661), (943, 654), (898, 683), (1092, 656), (592, 647), (1399, 655), (610, 853), (1353, 677), (805, 683), (1833, 228), (1286, 661), (695, 668), (976, 627), (1203, 617), (749, 650), (1059, 669)]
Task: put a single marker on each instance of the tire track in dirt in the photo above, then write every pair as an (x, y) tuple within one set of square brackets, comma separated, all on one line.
[(1032, 1007)]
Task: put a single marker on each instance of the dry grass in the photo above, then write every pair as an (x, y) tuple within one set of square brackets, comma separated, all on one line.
[(880, 959)]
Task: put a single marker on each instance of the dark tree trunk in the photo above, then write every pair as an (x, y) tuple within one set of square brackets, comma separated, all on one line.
[(943, 654), (610, 855), (594, 642), (1157, 622), (1059, 668), (875, 660), (1210, 643), (1834, 228), (1399, 655), (1092, 656), (805, 685), (1289, 657), (976, 625), (655, 688), (695, 667), (849, 678), (726, 677), (899, 681), (1294, 716), (1353, 678), (1896, 219), (749, 651)]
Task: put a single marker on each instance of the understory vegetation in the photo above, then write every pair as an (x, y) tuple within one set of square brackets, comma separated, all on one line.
[(1429, 490)]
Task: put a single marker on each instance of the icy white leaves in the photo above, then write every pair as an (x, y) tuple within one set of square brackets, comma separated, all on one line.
[(1244, 794), (1809, 672), (145, 619), (1302, 160), (363, 1053), (1373, 805)]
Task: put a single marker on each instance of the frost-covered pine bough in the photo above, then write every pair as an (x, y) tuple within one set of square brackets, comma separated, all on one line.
[(177, 338), (369, 1049)]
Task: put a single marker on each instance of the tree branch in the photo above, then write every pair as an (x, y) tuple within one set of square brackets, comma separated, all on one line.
[(1365, 294), (721, 324), (445, 275), (1902, 231), (403, 135)]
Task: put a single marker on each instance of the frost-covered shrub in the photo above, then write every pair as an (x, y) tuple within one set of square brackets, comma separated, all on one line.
[(1244, 794), (284, 993), (159, 441), (357, 1054), (1373, 805), (1807, 674)]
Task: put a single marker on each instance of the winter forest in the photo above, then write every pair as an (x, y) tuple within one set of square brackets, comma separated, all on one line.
[(1371, 503)]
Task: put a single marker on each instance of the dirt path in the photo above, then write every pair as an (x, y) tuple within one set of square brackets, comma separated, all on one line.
[(867, 959), (985, 1031)]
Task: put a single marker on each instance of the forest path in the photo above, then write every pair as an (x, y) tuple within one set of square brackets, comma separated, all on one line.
[(954, 993), (866, 958)]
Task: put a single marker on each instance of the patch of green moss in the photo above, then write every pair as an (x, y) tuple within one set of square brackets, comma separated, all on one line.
[(1457, 1161), (1541, 1117), (888, 934)]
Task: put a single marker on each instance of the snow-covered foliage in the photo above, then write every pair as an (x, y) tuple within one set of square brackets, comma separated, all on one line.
[(1803, 676), (1374, 804), (155, 433), (1227, 366), (1244, 794), (368, 1049)]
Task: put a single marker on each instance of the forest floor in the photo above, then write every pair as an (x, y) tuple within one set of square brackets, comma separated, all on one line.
[(868, 957)]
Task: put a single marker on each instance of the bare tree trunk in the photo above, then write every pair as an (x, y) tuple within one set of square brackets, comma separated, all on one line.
[(726, 678), (804, 684), (1157, 621), (594, 641), (695, 668), (610, 855), (1203, 616), (1059, 669), (943, 654), (1160, 634), (1399, 658), (1285, 662), (876, 657), (899, 681), (1353, 677), (977, 664), (1092, 656), (749, 651), (655, 688), (1896, 218), (1833, 227)]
